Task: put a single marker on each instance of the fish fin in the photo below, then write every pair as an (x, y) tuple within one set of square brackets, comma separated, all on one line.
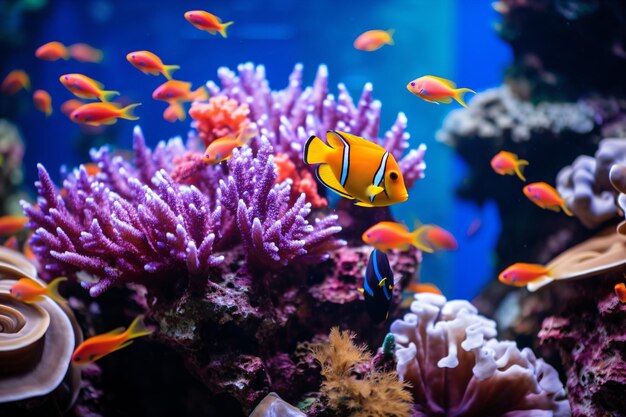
[(245, 135), (538, 283), (123, 345), (556, 209), (108, 122), (446, 100), (116, 331), (169, 69), (52, 290), (373, 190), (351, 139), (327, 177), (363, 204), (137, 328), (430, 101), (391, 32), (223, 28), (447, 82), (566, 210), (361, 290), (200, 94), (127, 112), (107, 95), (519, 169), (316, 151), (180, 110), (417, 240), (459, 93), (382, 282)]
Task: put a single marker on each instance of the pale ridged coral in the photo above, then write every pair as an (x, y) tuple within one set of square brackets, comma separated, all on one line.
[(456, 366)]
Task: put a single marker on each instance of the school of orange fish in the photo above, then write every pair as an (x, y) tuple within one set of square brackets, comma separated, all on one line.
[(351, 166)]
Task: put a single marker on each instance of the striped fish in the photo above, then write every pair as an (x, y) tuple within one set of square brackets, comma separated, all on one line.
[(378, 286), (356, 169)]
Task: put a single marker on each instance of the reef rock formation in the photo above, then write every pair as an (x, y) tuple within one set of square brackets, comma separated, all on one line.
[(11, 154)]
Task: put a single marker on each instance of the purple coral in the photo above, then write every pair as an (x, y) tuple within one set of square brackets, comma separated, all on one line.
[(133, 223)]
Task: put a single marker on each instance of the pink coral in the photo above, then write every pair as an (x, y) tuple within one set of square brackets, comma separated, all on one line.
[(302, 181), (219, 117)]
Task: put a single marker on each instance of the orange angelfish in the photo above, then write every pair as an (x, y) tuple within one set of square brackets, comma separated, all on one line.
[(507, 163), (175, 111), (374, 39), (149, 63), (101, 345), (96, 114), (222, 149), (43, 102), (30, 291), (10, 225), (86, 53), (521, 274), (70, 105), (174, 90), (14, 82), (207, 22), (52, 51), (546, 197), (437, 90), (84, 87), (620, 291)]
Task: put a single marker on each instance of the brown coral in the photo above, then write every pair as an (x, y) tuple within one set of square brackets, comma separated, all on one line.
[(219, 117), (348, 391), (303, 181)]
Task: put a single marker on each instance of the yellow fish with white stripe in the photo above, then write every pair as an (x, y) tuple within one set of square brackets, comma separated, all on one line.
[(357, 169)]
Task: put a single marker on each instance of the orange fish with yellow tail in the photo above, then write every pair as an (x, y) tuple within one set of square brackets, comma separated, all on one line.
[(389, 235), (149, 63), (521, 274), (546, 197), (222, 149), (208, 22), (101, 345), (356, 169), (374, 39), (174, 90), (84, 87), (437, 90), (30, 291), (507, 163), (96, 114), (14, 82), (11, 224), (43, 102), (52, 51)]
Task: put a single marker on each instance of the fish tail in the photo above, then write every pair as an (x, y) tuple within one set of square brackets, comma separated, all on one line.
[(223, 28), (417, 240), (200, 94), (459, 93), (52, 290), (107, 95), (127, 112), (566, 210), (391, 32), (180, 111), (316, 151), (519, 169), (137, 328), (169, 69)]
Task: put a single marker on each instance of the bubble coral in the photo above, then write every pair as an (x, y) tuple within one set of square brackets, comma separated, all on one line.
[(456, 366)]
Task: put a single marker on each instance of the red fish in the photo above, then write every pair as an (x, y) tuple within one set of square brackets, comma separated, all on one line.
[(149, 63), (30, 291), (10, 225), (546, 197), (174, 90), (43, 102), (84, 87), (101, 345), (86, 53), (52, 51), (507, 163), (96, 114), (374, 39), (521, 274), (14, 82), (207, 22)]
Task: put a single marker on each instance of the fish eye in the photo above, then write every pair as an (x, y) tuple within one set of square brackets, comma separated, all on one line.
[(67, 78), (76, 358), (393, 175), (132, 56), (412, 83), (76, 116), (10, 290)]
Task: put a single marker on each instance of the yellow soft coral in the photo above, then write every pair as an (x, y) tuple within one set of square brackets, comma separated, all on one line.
[(351, 393)]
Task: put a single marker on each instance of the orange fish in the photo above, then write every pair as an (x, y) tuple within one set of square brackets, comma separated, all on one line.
[(92, 169), (101, 345), (11, 243), (620, 291), (374, 39), (521, 274), (86, 53), (149, 63), (43, 102), (437, 90), (423, 287), (175, 111), (10, 225), (546, 197), (70, 105), (389, 235), (174, 90), (207, 22), (96, 114), (222, 149), (507, 163), (30, 291), (438, 238), (14, 82), (52, 51), (84, 87)]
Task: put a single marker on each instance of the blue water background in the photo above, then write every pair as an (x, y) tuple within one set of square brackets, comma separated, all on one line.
[(448, 38)]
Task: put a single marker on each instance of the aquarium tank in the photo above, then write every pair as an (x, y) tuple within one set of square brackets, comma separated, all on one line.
[(277, 208)]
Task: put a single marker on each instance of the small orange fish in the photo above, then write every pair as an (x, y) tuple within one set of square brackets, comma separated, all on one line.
[(521, 274), (96, 114), (86, 53), (10, 225), (70, 105), (92, 169), (101, 345), (149, 63), (374, 39), (30, 291), (174, 90), (222, 149), (620, 292), (389, 235), (438, 238), (84, 87), (43, 102), (546, 197), (507, 163), (175, 111), (423, 287), (437, 90), (14, 82), (207, 22), (52, 51)]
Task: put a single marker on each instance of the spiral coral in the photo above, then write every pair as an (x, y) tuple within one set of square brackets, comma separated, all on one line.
[(449, 355), (219, 117)]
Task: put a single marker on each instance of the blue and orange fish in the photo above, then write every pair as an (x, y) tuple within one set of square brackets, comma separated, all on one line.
[(356, 169), (378, 286)]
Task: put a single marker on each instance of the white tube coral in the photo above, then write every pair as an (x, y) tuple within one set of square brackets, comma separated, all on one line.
[(456, 366)]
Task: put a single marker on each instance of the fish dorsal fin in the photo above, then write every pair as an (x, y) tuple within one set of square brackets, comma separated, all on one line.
[(395, 226), (449, 83), (327, 177), (353, 140), (116, 331)]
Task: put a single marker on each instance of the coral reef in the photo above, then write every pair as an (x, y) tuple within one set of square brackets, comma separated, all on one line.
[(302, 181), (373, 393), (456, 366), (219, 117), (11, 154)]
